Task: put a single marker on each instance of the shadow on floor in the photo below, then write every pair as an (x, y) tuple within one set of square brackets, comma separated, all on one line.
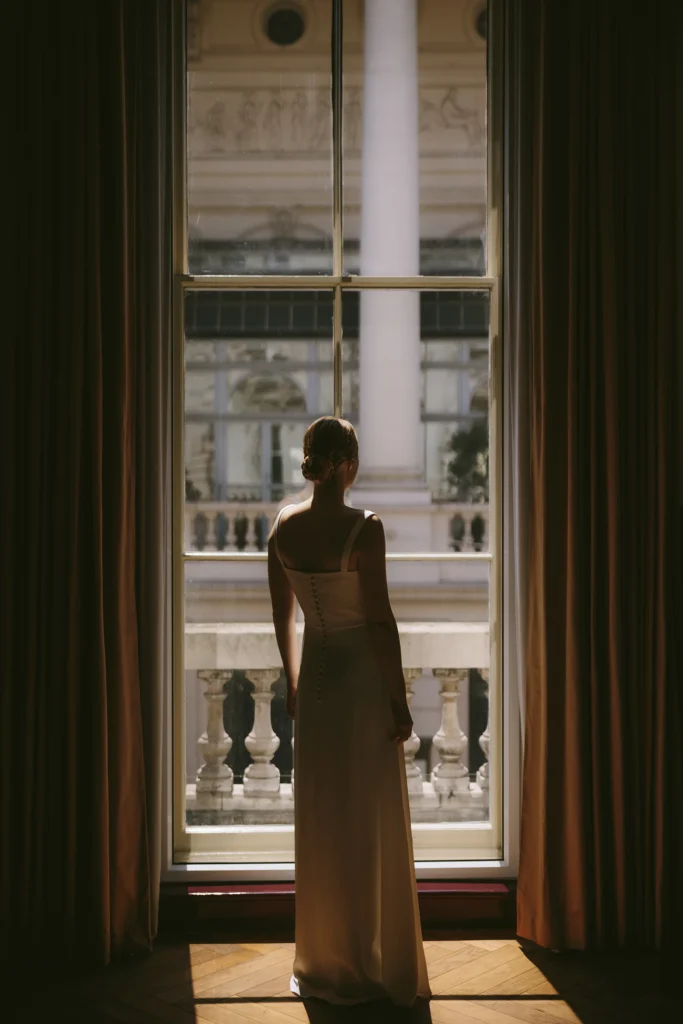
[(320, 1012), (601, 988)]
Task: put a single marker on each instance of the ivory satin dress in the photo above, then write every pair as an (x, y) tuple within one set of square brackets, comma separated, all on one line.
[(358, 934)]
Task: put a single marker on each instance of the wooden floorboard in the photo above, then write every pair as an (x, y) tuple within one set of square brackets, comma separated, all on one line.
[(474, 981)]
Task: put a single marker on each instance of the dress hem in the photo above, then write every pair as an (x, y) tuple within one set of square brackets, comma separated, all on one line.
[(304, 992)]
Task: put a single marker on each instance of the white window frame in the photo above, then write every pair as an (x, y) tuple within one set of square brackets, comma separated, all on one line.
[(192, 853)]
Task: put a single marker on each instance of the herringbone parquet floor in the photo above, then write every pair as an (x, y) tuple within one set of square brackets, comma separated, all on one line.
[(474, 982)]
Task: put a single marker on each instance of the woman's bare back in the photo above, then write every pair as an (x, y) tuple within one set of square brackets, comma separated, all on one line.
[(313, 539)]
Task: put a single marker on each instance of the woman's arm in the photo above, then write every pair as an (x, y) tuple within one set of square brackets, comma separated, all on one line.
[(283, 602), (382, 627)]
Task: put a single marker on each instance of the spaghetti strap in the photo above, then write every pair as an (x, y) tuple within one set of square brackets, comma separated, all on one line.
[(355, 530), (276, 527)]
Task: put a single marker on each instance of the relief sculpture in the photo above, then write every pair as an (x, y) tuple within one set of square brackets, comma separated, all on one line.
[(442, 111), (299, 120), (215, 125), (246, 134)]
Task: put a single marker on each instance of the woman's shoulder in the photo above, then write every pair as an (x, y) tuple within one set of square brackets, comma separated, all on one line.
[(372, 531), (346, 513), (372, 520), (293, 511)]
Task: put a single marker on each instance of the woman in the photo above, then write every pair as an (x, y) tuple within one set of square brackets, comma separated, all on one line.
[(358, 935)]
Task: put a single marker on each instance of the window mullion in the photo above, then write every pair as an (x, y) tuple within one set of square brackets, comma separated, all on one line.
[(337, 350), (337, 200), (337, 137)]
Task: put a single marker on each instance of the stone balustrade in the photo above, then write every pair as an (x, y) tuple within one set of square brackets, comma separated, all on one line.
[(468, 526), (228, 526), (244, 526), (445, 652)]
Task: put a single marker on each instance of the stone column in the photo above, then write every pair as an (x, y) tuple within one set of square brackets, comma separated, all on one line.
[(412, 745), (214, 778), (262, 778), (450, 776), (390, 381), (485, 738)]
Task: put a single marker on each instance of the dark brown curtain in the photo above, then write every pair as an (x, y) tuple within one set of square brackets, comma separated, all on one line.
[(84, 422), (594, 176)]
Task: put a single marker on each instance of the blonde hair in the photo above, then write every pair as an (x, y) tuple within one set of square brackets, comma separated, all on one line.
[(327, 443)]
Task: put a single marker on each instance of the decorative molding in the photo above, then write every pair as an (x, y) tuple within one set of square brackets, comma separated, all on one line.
[(283, 224), (297, 120)]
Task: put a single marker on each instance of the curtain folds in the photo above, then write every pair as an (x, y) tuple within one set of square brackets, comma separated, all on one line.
[(84, 413), (594, 177)]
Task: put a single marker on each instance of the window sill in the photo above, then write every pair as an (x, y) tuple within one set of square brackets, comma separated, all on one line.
[(444, 905)]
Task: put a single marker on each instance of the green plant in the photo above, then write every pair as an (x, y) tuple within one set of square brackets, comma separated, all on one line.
[(468, 470)]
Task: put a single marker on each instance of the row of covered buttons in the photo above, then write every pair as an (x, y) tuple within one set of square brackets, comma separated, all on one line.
[(323, 630)]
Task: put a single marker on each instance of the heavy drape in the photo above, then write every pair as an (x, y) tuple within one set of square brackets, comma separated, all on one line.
[(594, 210), (84, 425)]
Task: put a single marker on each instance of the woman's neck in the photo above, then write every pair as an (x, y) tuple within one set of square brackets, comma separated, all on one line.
[(329, 495)]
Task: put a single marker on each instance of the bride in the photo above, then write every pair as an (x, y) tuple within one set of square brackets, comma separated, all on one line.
[(358, 934)]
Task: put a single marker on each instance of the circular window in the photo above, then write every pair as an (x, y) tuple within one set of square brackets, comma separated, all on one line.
[(482, 22), (285, 26)]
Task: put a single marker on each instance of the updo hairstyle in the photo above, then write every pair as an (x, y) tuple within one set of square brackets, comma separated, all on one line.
[(327, 443)]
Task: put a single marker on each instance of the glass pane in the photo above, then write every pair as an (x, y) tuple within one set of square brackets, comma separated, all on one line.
[(258, 370), (415, 137), (231, 654), (416, 385), (259, 137)]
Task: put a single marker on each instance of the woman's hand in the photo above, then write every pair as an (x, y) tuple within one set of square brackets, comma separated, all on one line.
[(403, 723), (291, 701)]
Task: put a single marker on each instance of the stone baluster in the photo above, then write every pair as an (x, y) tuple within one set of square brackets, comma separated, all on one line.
[(229, 542), (262, 778), (485, 738), (214, 778), (412, 745), (253, 532), (212, 530), (450, 775), (467, 541)]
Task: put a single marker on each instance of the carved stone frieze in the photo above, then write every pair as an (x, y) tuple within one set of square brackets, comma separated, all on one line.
[(298, 120), (444, 112)]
